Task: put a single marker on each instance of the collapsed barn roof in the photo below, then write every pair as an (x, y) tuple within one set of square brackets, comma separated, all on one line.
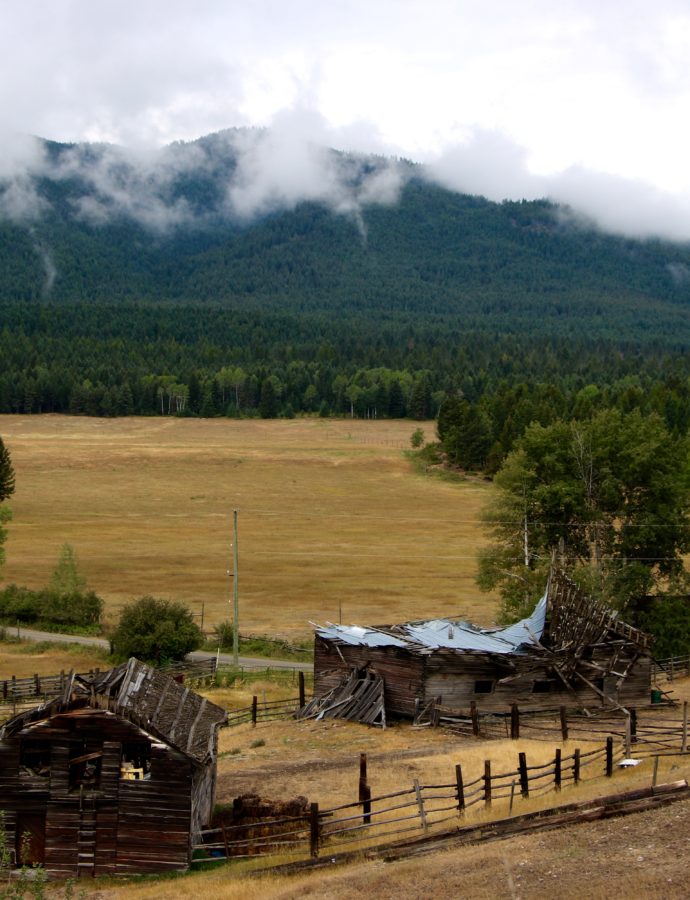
[(148, 698), (566, 618), (431, 635)]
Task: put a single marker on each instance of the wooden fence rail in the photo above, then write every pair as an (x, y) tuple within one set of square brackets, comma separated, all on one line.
[(672, 667), (399, 812)]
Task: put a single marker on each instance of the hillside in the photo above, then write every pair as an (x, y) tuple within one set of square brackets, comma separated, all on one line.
[(119, 271), (194, 225)]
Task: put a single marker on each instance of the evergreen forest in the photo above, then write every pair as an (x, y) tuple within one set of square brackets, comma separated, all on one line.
[(171, 304)]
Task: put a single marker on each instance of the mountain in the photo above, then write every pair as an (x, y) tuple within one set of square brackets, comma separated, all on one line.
[(236, 250), (114, 228)]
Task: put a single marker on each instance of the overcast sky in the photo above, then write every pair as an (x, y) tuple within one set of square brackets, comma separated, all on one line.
[(585, 101)]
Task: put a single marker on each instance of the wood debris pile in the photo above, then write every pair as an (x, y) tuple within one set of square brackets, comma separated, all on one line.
[(358, 698)]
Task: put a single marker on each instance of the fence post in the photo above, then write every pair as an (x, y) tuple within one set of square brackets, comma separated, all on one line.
[(364, 789), (609, 757), (576, 766), (628, 733), (557, 770), (301, 689), (475, 718), (656, 770), (225, 841), (255, 703), (362, 770), (366, 805), (564, 724), (37, 684), (512, 795), (460, 789), (487, 782), (684, 738), (420, 803), (524, 776), (514, 722), (314, 829), (633, 726)]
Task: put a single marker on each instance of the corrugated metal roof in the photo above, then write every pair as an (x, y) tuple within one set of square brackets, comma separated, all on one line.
[(355, 634), (439, 633)]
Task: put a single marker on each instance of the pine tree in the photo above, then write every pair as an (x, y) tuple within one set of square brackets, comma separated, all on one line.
[(6, 473)]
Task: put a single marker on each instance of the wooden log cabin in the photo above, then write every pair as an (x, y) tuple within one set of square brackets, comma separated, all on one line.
[(114, 777), (572, 651)]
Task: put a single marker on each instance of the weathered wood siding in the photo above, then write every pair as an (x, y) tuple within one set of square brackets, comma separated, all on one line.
[(454, 675), (403, 672), (117, 826), (454, 680)]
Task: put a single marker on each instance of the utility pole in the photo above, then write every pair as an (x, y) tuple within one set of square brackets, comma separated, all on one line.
[(235, 597)]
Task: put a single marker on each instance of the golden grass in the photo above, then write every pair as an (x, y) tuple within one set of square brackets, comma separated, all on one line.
[(333, 519), (26, 659)]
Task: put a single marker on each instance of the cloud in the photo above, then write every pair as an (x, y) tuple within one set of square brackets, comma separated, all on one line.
[(491, 165), (293, 162), (253, 171), (21, 158), (623, 206)]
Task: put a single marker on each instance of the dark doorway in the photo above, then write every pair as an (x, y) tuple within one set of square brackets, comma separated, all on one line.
[(31, 838)]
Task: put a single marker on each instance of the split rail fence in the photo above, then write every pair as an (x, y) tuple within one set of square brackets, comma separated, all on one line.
[(415, 808)]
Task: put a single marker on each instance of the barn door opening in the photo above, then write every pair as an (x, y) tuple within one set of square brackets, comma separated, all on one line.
[(30, 836)]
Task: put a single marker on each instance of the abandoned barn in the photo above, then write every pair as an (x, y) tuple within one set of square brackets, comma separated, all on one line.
[(571, 651), (116, 776)]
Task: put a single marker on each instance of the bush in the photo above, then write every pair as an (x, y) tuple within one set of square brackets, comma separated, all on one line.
[(156, 631), (78, 609), (223, 632), (19, 604)]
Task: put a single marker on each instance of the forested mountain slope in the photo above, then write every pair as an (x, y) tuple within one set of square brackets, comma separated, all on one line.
[(132, 284)]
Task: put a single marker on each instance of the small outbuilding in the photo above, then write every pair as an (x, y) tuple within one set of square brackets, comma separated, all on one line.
[(114, 777), (572, 651)]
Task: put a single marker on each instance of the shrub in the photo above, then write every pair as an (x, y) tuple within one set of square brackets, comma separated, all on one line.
[(21, 604), (156, 631)]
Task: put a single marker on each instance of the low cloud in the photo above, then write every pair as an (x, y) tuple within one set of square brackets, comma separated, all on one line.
[(21, 158), (291, 163), (251, 172), (491, 165)]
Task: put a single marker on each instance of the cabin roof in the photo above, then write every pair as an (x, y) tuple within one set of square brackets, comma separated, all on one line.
[(148, 698)]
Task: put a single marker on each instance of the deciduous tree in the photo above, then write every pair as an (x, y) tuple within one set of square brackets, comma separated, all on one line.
[(608, 495)]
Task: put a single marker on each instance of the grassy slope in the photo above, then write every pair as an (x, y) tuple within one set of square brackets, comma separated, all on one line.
[(332, 515)]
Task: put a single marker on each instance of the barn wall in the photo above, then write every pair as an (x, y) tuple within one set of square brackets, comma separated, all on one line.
[(117, 827), (154, 818), (401, 670), (453, 676)]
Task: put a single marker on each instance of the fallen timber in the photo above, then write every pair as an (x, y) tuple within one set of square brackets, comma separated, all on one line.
[(610, 806)]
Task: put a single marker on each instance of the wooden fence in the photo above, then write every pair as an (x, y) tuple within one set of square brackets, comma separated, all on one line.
[(672, 667), (417, 807)]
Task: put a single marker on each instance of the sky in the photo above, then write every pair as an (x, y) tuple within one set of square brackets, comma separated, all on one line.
[(584, 101)]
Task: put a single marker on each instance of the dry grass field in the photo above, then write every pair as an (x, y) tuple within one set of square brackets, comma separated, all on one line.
[(26, 659), (333, 519)]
